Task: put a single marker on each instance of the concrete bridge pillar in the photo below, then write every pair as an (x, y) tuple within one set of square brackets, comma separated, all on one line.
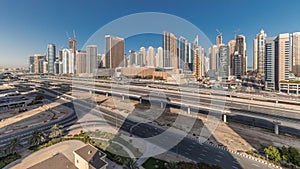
[(189, 110), (224, 118), (161, 105), (90, 92), (106, 94), (123, 97), (276, 126), (141, 100)]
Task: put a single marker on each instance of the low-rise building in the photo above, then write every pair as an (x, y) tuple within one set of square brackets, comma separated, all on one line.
[(89, 157), (290, 87)]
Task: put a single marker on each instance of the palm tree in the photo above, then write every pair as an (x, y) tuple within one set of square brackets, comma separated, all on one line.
[(13, 145), (86, 138), (130, 164), (172, 165), (56, 131), (37, 138)]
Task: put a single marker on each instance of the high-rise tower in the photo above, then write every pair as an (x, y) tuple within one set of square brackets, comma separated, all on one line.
[(51, 55), (170, 58), (114, 51)]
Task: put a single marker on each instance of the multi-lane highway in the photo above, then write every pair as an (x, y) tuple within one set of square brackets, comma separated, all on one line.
[(249, 111), (187, 147), (252, 110)]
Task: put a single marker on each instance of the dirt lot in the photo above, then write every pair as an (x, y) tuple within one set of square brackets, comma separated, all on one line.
[(233, 135)]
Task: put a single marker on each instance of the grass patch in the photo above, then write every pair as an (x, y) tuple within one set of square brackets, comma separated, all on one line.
[(154, 163)]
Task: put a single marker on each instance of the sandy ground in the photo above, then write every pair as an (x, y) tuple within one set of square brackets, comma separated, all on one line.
[(4, 87), (235, 136), (35, 115)]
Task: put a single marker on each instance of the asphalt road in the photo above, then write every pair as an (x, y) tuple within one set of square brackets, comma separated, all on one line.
[(188, 147), (248, 113)]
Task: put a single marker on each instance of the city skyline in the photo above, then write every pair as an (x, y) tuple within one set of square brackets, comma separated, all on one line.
[(37, 33)]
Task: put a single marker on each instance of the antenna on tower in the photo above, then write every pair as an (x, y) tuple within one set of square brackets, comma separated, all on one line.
[(236, 31), (220, 33), (74, 34)]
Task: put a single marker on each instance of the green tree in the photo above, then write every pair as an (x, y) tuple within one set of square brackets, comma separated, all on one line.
[(285, 154), (273, 153), (39, 97), (37, 138), (130, 164), (86, 138), (294, 156), (13, 145), (56, 131), (172, 165)]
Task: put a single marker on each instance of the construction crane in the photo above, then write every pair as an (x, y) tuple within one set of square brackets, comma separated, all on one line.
[(220, 33), (67, 34)]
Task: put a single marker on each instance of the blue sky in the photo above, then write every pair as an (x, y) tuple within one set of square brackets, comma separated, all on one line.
[(26, 27)]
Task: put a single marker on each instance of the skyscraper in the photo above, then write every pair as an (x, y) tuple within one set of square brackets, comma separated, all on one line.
[(240, 47), (182, 52), (213, 52), (170, 58), (236, 65), (150, 56), (296, 53), (223, 62), (159, 57), (72, 46), (219, 39), (270, 63), (31, 64), (198, 62), (143, 54), (66, 56), (259, 52), (282, 58), (231, 45), (91, 58), (185, 54), (60, 55), (255, 53), (80, 61), (38, 63), (114, 51), (57, 67), (51, 55), (132, 58)]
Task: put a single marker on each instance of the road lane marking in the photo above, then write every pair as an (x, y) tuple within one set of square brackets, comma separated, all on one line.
[(202, 155), (219, 156), (235, 167), (255, 165), (236, 162), (199, 158), (217, 160)]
